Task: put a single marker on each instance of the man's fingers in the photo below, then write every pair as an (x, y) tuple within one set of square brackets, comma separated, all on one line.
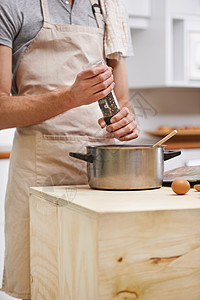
[(98, 81), (102, 122), (130, 136), (123, 127), (102, 85), (94, 71), (121, 123), (124, 130), (101, 94), (124, 112)]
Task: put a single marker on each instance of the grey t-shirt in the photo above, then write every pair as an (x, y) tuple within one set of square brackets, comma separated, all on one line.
[(21, 20)]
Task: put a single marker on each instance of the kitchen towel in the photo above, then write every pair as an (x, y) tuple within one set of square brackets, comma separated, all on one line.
[(116, 32)]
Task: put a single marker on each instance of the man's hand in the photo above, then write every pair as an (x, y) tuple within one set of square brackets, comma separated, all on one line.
[(25, 110), (92, 84), (123, 127)]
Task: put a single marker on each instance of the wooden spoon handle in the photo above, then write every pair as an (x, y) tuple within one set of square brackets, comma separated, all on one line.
[(167, 137)]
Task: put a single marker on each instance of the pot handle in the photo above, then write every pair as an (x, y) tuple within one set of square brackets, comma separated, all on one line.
[(86, 157), (171, 153)]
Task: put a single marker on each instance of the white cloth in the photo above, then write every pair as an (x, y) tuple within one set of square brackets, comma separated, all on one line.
[(116, 32)]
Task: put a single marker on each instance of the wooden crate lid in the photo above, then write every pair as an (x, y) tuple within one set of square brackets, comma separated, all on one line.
[(105, 202)]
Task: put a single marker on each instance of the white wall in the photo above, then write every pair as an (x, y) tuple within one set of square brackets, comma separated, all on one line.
[(173, 107), (6, 138), (4, 163), (166, 107), (3, 182)]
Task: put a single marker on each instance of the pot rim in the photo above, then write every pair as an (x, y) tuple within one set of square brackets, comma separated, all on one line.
[(129, 147)]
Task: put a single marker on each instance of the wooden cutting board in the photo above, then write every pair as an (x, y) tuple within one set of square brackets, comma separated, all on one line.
[(190, 173)]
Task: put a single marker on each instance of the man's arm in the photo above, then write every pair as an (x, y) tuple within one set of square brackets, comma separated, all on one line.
[(15, 111), (123, 126)]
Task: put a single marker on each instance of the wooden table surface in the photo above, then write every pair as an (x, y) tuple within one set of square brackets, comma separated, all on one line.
[(101, 201)]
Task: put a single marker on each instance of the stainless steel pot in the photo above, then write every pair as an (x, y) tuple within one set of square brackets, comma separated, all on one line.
[(119, 167)]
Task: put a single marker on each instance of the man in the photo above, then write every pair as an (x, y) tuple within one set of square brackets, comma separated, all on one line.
[(54, 107)]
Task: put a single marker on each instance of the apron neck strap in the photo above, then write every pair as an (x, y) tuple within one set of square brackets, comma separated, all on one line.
[(45, 11), (96, 8)]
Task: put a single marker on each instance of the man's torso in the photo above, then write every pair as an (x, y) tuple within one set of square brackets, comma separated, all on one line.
[(21, 20)]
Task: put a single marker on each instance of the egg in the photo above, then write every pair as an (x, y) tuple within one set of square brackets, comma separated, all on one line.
[(180, 186), (197, 187)]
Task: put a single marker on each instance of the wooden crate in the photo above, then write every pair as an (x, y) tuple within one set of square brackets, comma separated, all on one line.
[(105, 245)]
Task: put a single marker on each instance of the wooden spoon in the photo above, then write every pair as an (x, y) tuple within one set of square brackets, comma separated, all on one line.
[(167, 137)]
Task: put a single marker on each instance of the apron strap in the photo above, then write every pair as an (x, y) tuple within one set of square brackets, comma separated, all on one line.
[(45, 11), (96, 8)]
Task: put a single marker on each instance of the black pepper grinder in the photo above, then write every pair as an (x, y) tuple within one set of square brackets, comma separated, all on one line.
[(108, 105)]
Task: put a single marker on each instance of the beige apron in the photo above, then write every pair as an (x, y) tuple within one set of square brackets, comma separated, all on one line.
[(40, 152)]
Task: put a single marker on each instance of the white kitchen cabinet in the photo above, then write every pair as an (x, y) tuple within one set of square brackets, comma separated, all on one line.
[(139, 12), (167, 53)]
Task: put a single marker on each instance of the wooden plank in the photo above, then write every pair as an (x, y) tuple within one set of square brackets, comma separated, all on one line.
[(150, 255), (63, 253), (92, 201), (43, 249), (78, 264)]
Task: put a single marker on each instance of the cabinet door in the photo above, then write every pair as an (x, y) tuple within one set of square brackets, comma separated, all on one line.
[(137, 7), (139, 12), (193, 49), (186, 51), (167, 52)]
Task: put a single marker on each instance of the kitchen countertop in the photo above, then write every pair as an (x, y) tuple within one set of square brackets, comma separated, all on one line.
[(5, 151), (102, 201), (4, 154)]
